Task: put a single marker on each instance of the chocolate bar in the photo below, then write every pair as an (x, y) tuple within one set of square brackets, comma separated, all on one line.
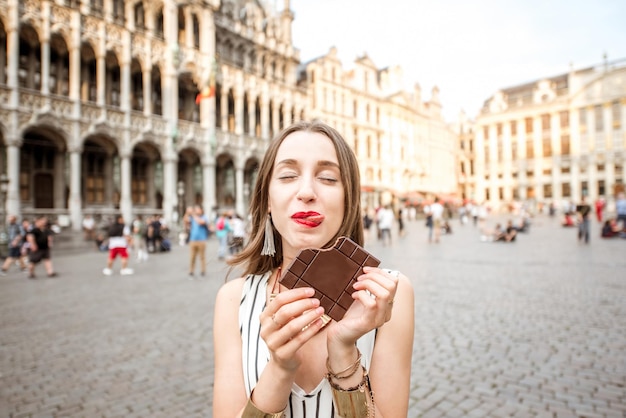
[(331, 272)]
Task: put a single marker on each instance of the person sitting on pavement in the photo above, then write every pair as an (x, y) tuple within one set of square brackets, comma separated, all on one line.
[(568, 220), (610, 229)]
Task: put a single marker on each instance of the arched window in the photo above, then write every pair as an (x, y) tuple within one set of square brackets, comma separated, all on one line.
[(118, 11), (140, 17), (158, 24)]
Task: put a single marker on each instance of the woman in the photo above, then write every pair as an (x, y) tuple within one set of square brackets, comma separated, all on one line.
[(273, 349)]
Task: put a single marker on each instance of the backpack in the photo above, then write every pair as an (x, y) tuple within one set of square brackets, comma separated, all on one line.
[(220, 224)]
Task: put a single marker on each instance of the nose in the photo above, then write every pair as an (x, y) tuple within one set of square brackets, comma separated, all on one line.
[(306, 192)]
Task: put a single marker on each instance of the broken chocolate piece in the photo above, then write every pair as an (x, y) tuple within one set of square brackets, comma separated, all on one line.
[(331, 272)]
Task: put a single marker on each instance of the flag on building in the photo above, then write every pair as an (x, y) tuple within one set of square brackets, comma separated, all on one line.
[(208, 89)]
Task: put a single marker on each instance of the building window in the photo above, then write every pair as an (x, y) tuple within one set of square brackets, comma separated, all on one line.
[(530, 149), (487, 194), (564, 118), (140, 18), (139, 181), (547, 172), (94, 183), (501, 193), (547, 146), (565, 170), (599, 119), (499, 129), (118, 11), (529, 125), (486, 132), (601, 188), (547, 191), (566, 190), (616, 112), (513, 128), (565, 145), (584, 188), (514, 150), (600, 167), (96, 7)]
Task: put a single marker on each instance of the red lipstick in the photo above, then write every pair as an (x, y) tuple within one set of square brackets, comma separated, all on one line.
[(310, 219)]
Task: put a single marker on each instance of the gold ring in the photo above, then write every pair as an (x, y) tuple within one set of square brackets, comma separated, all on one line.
[(275, 321)]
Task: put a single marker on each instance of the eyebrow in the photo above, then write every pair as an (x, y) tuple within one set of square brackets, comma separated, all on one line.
[(321, 163)]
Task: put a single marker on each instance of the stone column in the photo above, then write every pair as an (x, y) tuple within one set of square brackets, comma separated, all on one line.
[(265, 117), (251, 116), (125, 85), (45, 58), (12, 206), (239, 196), (169, 188), (13, 54), (208, 184), (126, 203), (101, 80), (75, 200), (147, 91), (239, 117)]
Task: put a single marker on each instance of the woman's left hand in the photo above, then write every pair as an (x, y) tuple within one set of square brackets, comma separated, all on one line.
[(374, 295)]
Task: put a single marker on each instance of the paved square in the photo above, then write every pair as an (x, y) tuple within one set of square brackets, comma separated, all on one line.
[(531, 328)]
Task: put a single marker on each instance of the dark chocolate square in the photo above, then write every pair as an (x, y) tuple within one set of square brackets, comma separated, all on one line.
[(331, 272)]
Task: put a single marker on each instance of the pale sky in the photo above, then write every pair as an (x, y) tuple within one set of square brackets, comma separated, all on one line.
[(469, 49)]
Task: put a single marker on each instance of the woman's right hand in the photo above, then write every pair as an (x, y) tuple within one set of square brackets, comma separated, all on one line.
[(288, 322)]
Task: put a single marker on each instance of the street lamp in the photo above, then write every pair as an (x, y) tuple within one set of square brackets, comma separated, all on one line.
[(181, 208), (4, 239)]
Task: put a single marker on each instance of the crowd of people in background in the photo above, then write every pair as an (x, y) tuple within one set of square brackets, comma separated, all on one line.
[(30, 242)]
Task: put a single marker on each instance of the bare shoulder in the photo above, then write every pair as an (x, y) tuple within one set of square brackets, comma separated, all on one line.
[(231, 290)]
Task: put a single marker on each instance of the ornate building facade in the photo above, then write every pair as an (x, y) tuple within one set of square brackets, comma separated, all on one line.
[(104, 107), (404, 147), (552, 140)]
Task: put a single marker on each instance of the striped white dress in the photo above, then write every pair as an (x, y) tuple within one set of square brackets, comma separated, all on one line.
[(255, 355)]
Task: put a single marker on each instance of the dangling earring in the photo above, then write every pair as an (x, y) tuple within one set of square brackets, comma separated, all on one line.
[(268, 244)]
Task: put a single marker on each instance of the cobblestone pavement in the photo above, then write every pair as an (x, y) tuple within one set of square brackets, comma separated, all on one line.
[(531, 328)]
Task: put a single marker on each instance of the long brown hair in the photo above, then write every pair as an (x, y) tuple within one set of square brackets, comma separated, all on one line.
[(251, 259)]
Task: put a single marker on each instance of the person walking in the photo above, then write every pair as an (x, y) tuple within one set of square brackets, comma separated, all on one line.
[(276, 354), (16, 237), (620, 208), (198, 235), (40, 240), (385, 223), (436, 211), (139, 239), (222, 229), (238, 234), (119, 240), (584, 211)]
